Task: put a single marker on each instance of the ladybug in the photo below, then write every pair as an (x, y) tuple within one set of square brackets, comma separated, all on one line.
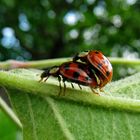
[(75, 72), (98, 62)]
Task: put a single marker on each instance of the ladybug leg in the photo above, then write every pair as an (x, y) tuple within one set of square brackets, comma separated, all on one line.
[(46, 79), (60, 90), (41, 80), (101, 90), (72, 85), (94, 91), (64, 87), (80, 87)]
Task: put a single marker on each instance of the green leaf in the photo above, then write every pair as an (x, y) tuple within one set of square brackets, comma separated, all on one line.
[(8, 130), (80, 114)]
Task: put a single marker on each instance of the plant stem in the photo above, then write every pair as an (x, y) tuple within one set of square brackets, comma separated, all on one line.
[(27, 81), (10, 64), (123, 61)]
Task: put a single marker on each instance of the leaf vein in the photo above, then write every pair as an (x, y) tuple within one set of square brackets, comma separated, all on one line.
[(32, 117), (60, 119), (129, 127)]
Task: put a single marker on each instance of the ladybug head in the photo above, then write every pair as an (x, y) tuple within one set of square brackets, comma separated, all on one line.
[(83, 54), (50, 71), (80, 56)]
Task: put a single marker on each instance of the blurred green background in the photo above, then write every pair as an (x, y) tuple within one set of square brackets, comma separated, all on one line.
[(33, 30), (50, 29)]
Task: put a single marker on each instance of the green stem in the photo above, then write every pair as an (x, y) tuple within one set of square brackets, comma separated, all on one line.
[(50, 62), (123, 61), (10, 64), (46, 63), (27, 81)]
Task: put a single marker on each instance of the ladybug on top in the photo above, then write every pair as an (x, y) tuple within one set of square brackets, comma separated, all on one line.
[(98, 62), (89, 68)]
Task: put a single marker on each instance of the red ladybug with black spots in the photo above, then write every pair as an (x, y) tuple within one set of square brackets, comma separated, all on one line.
[(75, 72), (93, 70), (97, 61)]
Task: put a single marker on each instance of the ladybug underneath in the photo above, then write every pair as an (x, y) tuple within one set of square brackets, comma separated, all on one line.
[(75, 72), (96, 60)]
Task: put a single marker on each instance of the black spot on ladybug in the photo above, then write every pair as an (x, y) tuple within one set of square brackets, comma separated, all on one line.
[(76, 75), (87, 78), (99, 65), (96, 52), (66, 67), (81, 66), (107, 73)]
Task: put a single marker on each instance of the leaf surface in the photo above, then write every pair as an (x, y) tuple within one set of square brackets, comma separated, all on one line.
[(79, 115)]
